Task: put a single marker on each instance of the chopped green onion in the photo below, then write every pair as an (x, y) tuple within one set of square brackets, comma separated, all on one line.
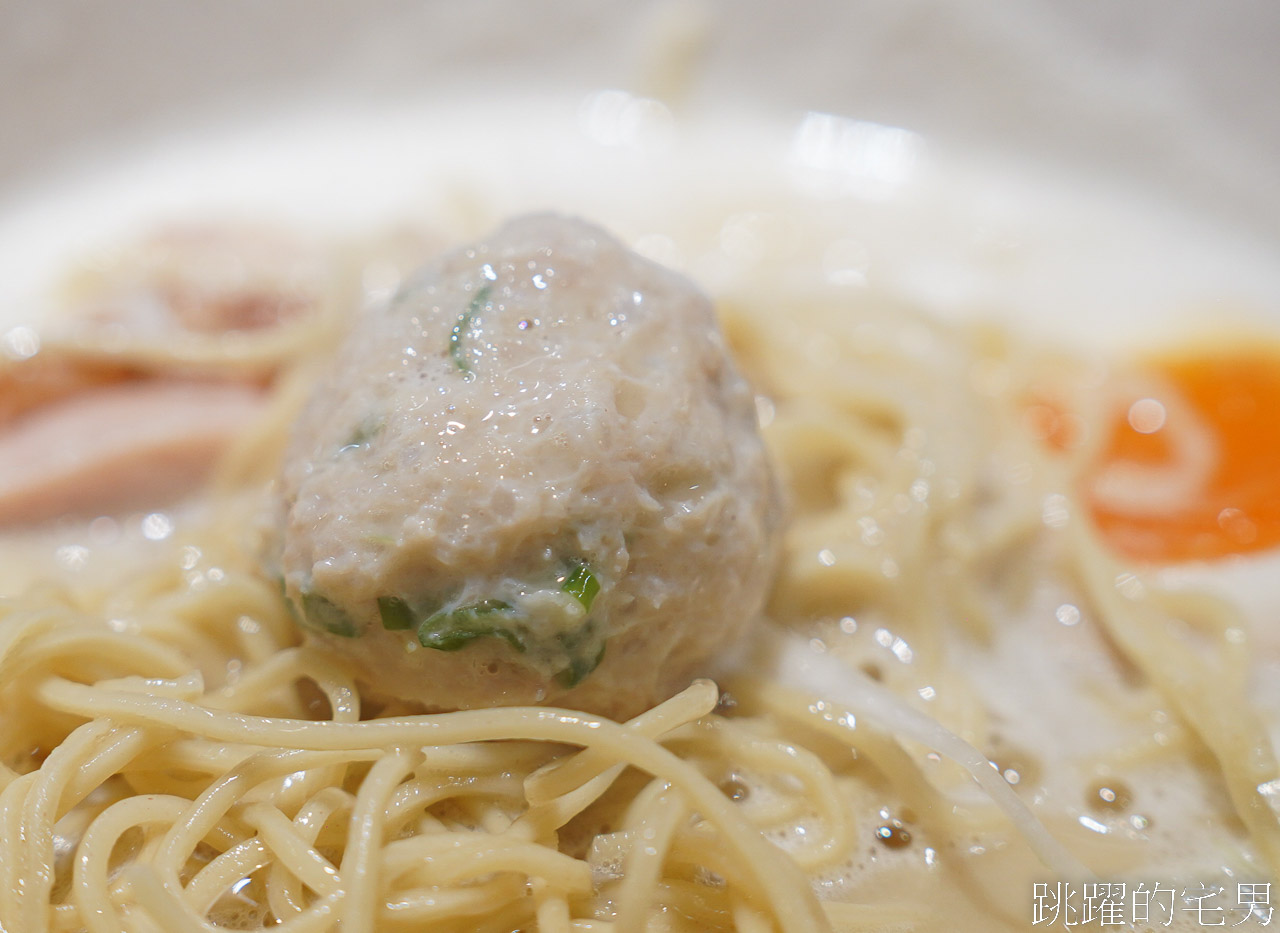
[(584, 656), (395, 612), (362, 434), (457, 628), (454, 629), (465, 320), (582, 584), (319, 613), (579, 667)]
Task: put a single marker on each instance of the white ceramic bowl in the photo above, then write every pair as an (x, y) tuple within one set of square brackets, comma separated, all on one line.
[(1037, 109)]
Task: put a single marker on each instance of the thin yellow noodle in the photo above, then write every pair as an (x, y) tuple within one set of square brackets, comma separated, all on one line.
[(1207, 696), (562, 776), (11, 828), (115, 745), (553, 798), (416, 795), (90, 878), (212, 881), (233, 352), (858, 918), (552, 911), (279, 834), (204, 813), (284, 896), (449, 857), (699, 854), (253, 456), (282, 669), (35, 867), (166, 906), (337, 685), (66, 918), (747, 919), (704, 905), (70, 652), (423, 907), (663, 813), (789, 759), (361, 866), (480, 758), (546, 817), (775, 876), (883, 750), (195, 755)]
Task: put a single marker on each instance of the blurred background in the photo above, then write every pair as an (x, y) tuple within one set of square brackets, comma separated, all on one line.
[(1169, 93)]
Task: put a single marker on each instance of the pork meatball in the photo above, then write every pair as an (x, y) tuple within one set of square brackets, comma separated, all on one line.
[(534, 477)]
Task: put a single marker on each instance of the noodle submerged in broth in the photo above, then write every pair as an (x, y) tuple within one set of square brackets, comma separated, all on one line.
[(175, 757)]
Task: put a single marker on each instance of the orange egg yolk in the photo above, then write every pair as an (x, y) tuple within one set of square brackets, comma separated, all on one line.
[(1209, 439)]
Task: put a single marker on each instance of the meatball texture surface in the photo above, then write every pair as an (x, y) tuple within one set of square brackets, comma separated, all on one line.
[(533, 477)]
